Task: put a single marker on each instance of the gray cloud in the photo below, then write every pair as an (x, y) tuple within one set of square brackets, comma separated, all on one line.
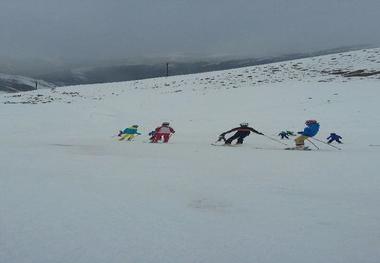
[(125, 28)]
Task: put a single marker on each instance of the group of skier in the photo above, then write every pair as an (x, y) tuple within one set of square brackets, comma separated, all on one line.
[(164, 132), (332, 138)]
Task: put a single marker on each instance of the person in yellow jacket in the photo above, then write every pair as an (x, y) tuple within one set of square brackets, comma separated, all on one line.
[(129, 133)]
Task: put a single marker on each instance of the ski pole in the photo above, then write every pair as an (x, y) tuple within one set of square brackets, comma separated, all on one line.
[(220, 139), (313, 144), (326, 143), (273, 139), (118, 135)]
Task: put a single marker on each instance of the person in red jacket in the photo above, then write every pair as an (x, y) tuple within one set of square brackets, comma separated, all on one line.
[(164, 131)]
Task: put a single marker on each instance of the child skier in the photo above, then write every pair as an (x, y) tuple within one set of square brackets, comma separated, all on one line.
[(283, 135), (290, 133), (164, 131), (241, 132), (334, 137), (310, 131), (151, 134), (129, 133)]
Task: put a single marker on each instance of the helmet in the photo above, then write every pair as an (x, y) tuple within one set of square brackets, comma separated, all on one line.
[(165, 123), (308, 122), (244, 124), (135, 126)]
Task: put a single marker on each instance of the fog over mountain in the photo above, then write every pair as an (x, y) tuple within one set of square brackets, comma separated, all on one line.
[(73, 31), (61, 74), (95, 41)]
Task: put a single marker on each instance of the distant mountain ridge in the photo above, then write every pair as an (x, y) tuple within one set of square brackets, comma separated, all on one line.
[(125, 70), (135, 71)]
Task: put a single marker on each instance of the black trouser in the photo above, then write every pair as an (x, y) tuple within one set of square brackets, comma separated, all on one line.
[(331, 140), (239, 137)]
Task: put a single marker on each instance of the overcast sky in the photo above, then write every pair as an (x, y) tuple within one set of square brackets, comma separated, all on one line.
[(133, 28)]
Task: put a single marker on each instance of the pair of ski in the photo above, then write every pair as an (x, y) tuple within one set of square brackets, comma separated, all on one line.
[(217, 143), (288, 148)]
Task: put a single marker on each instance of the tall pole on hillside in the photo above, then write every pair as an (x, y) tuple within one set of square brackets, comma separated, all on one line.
[(167, 69)]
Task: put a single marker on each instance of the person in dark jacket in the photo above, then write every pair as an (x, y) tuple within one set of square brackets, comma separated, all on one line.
[(334, 137), (241, 132), (152, 134), (283, 135)]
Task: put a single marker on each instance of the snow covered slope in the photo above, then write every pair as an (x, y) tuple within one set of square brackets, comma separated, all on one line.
[(70, 192), (15, 83)]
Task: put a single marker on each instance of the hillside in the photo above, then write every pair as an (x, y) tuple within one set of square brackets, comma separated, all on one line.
[(15, 83), (71, 192), (64, 72)]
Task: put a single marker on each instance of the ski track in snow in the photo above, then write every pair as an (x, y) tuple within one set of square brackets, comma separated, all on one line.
[(71, 192)]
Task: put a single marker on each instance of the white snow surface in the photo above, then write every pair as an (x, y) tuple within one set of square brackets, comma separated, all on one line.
[(71, 192)]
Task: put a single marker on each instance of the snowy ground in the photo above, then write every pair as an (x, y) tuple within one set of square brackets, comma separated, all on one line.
[(70, 192)]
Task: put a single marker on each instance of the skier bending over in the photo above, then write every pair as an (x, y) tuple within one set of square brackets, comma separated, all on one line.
[(163, 131), (310, 131), (241, 132), (129, 133), (283, 135), (334, 137)]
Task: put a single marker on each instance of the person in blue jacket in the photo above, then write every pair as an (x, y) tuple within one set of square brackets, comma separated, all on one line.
[(312, 128), (129, 133), (334, 137)]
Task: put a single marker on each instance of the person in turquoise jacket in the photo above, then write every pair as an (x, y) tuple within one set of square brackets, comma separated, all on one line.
[(129, 133)]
